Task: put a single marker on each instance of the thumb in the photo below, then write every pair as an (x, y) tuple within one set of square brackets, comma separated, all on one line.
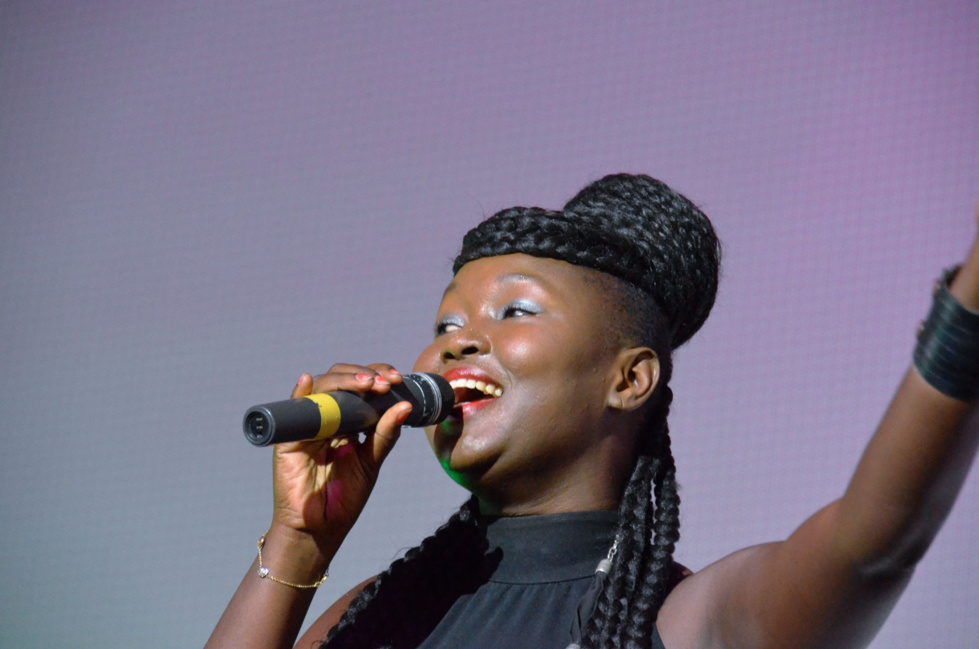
[(379, 443)]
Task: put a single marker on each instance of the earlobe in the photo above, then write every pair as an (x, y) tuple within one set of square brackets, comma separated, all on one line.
[(636, 378)]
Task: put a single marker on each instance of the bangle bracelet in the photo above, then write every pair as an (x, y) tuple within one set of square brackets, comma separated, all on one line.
[(263, 572), (947, 354)]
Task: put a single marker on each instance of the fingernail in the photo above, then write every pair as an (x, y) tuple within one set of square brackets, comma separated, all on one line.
[(361, 377), (380, 379), (395, 372)]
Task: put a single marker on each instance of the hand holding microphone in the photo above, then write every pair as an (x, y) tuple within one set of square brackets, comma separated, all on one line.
[(320, 487), (323, 415)]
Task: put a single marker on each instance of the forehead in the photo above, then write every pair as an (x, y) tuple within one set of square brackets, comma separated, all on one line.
[(558, 278), (514, 269)]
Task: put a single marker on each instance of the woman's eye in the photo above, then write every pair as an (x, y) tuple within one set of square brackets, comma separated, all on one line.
[(518, 310), (445, 326)]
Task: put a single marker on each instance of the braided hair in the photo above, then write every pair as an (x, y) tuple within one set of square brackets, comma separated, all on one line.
[(660, 258)]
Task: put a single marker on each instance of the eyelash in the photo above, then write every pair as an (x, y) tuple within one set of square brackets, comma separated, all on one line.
[(510, 310), (522, 307), (442, 326)]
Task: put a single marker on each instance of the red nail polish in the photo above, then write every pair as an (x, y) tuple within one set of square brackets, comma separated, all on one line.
[(380, 379), (361, 377)]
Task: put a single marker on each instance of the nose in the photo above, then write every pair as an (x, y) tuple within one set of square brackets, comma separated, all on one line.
[(463, 342)]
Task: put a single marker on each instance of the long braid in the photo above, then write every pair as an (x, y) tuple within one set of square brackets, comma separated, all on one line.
[(659, 570), (666, 524), (635, 628), (648, 529), (634, 524), (405, 602)]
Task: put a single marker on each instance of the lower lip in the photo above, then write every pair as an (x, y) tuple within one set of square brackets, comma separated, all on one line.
[(470, 408)]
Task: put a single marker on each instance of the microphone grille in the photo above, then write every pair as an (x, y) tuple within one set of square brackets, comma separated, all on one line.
[(435, 396)]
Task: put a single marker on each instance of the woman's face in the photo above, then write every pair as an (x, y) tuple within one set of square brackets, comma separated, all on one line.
[(537, 338)]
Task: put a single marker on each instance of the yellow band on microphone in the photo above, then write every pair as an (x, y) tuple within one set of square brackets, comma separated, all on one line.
[(329, 414)]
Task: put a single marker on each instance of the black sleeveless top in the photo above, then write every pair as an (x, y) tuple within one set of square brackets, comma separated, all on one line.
[(546, 564)]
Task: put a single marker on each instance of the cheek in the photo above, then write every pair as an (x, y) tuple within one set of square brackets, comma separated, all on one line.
[(428, 360), (568, 371), (531, 352), (550, 361), (522, 351)]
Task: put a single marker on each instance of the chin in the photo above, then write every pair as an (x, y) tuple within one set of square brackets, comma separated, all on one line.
[(465, 464), (465, 477)]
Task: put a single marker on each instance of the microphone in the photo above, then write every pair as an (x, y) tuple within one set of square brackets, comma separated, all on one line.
[(320, 416)]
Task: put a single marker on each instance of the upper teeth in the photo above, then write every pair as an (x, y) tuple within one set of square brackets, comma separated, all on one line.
[(482, 386)]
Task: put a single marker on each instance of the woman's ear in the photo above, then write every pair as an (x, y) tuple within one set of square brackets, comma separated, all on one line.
[(635, 379)]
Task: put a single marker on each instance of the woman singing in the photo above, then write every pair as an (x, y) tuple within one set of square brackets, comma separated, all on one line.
[(556, 333)]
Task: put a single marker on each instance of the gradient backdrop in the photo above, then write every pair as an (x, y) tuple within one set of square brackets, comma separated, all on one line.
[(200, 201)]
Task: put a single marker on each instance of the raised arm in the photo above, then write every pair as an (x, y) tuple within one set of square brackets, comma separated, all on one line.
[(833, 582), (320, 488)]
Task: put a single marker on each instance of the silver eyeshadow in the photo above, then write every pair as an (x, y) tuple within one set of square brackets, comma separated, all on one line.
[(526, 306)]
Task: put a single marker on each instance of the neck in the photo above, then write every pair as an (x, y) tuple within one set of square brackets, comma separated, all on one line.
[(586, 485)]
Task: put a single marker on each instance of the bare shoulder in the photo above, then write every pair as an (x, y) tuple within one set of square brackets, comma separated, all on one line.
[(315, 635), (690, 616)]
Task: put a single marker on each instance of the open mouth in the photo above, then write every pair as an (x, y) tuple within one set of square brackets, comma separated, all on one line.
[(471, 390)]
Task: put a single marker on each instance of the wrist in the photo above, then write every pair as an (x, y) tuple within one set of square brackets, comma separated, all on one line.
[(965, 286), (294, 556)]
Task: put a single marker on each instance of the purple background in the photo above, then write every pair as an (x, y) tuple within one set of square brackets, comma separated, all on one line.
[(200, 201)]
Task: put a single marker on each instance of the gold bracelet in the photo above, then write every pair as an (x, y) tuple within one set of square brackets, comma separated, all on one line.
[(263, 572)]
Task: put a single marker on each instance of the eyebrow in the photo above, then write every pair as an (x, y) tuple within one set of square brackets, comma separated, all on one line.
[(509, 278)]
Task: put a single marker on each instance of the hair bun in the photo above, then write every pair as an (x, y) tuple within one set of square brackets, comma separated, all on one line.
[(676, 243), (630, 226)]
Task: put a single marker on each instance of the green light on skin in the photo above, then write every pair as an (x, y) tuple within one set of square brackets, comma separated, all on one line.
[(446, 457), (455, 475)]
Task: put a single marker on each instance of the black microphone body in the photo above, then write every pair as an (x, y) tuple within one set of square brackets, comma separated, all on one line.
[(320, 416)]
